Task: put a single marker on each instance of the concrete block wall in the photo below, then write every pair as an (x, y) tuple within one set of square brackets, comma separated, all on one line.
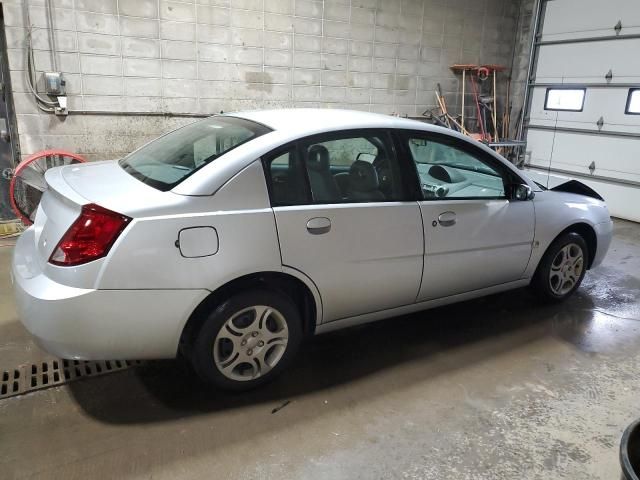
[(130, 57), (522, 49)]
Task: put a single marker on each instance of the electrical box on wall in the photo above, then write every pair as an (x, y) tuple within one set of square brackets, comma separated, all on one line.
[(54, 83)]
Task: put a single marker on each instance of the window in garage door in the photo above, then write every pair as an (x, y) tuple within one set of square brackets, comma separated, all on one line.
[(565, 99), (633, 102)]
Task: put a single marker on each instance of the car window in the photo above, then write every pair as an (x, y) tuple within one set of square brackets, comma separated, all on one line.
[(165, 162), (283, 160), (352, 168), (285, 177), (447, 171)]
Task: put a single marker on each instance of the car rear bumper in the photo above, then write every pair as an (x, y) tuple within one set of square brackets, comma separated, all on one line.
[(88, 324), (604, 234)]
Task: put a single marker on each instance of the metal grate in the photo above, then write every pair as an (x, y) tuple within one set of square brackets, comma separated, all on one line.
[(37, 376)]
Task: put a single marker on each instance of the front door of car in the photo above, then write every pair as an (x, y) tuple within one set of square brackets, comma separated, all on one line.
[(343, 220), (475, 236)]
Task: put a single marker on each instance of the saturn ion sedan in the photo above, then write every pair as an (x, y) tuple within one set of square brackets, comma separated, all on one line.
[(231, 240)]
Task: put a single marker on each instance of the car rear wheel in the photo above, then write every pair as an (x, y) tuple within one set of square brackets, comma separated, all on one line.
[(562, 268), (247, 340)]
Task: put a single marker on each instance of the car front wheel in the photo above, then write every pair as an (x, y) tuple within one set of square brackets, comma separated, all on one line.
[(247, 340), (562, 268)]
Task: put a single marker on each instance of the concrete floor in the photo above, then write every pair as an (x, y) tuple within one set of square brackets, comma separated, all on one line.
[(497, 388)]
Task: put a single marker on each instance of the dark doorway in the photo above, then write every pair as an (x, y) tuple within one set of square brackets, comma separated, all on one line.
[(9, 152)]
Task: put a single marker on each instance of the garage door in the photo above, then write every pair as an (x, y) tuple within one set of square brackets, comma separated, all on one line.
[(584, 110)]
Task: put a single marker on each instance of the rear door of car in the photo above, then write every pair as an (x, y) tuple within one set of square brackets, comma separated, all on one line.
[(345, 219), (475, 236)]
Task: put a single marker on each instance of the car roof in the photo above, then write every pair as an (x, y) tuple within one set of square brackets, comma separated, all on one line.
[(323, 119)]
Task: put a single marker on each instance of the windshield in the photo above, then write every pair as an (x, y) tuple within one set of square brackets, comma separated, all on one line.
[(167, 161), (433, 153)]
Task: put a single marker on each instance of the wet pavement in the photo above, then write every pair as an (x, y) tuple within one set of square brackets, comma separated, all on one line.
[(497, 388)]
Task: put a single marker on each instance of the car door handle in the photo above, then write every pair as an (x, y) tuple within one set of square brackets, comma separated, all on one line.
[(318, 225), (446, 219)]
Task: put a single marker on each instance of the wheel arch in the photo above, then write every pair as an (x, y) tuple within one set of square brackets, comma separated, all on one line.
[(587, 232), (288, 283)]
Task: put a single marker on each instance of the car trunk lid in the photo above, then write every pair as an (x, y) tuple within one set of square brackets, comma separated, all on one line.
[(108, 185), (72, 186)]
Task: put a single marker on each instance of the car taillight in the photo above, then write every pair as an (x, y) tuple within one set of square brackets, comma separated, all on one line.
[(90, 237)]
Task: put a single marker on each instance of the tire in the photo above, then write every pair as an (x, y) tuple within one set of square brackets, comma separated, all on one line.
[(562, 268), (247, 340)]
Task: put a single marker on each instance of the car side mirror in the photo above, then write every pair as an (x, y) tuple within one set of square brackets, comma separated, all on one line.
[(521, 192)]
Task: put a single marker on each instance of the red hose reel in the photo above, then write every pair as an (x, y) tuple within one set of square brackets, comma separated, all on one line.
[(28, 183)]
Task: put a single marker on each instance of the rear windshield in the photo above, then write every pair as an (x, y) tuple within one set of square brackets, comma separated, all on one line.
[(167, 161)]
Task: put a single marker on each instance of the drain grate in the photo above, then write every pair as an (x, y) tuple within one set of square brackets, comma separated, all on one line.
[(37, 376)]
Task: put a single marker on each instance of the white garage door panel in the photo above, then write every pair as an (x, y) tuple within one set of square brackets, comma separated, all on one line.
[(608, 103), (622, 200), (539, 147), (590, 62), (614, 157), (565, 19)]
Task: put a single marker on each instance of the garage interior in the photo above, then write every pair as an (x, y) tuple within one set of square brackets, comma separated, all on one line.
[(499, 387)]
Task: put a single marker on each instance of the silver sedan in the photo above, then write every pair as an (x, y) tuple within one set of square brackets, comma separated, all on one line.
[(231, 240)]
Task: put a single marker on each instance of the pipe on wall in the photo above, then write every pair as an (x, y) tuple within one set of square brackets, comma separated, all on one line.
[(138, 114)]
